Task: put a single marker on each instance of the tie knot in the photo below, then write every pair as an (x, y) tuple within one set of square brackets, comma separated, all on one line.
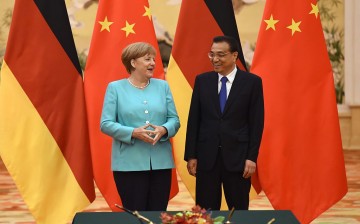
[(224, 79)]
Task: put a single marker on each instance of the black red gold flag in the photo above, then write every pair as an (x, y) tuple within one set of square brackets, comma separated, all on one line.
[(44, 140), (199, 22)]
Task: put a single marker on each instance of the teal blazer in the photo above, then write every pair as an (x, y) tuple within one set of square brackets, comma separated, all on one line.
[(126, 108)]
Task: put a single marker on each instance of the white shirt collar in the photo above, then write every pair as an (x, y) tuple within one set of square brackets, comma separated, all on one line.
[(230, 76)]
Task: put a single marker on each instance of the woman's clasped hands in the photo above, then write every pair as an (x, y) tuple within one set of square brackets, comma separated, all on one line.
[(150, 136)]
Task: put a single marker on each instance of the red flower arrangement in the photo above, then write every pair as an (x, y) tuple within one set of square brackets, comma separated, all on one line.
[(197, 215)]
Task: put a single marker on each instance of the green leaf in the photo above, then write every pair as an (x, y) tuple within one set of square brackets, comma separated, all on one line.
[(219, 220)]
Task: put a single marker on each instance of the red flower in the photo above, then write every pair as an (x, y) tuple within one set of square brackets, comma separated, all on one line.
[(195, 216)]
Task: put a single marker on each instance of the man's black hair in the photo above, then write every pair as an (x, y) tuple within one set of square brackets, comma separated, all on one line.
[(234, 47)]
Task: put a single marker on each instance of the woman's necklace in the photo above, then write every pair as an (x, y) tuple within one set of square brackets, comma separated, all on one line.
[(138, 87)]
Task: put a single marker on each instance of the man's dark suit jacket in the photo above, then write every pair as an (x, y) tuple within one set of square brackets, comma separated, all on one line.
[(236, 133)]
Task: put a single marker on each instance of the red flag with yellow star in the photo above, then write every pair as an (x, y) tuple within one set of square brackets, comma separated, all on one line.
[(300, 164), (118, 23)]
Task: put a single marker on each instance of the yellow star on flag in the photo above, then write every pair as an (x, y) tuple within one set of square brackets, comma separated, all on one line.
[(314, 10), (128, 28), (147, 12), (271, 23), (294, 27), (105, 25)]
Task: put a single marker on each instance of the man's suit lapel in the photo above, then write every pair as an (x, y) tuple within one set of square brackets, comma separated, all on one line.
[(214, 82), (238, 83)]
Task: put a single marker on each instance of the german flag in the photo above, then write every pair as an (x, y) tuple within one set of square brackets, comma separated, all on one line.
[(199, 21), (43, 133)]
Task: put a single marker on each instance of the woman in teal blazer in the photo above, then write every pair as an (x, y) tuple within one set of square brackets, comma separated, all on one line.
[(140, 115)]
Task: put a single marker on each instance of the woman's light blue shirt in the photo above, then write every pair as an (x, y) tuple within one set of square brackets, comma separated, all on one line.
[(126, 108)]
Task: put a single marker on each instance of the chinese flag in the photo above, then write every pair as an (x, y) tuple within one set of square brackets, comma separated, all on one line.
[(300, 165), (44, 140), (118, 23), (199, 22)]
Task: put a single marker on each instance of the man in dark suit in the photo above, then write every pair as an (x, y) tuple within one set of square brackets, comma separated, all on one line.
[(225, 125)]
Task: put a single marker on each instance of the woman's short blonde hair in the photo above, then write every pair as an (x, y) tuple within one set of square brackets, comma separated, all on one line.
[(133, 51)]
